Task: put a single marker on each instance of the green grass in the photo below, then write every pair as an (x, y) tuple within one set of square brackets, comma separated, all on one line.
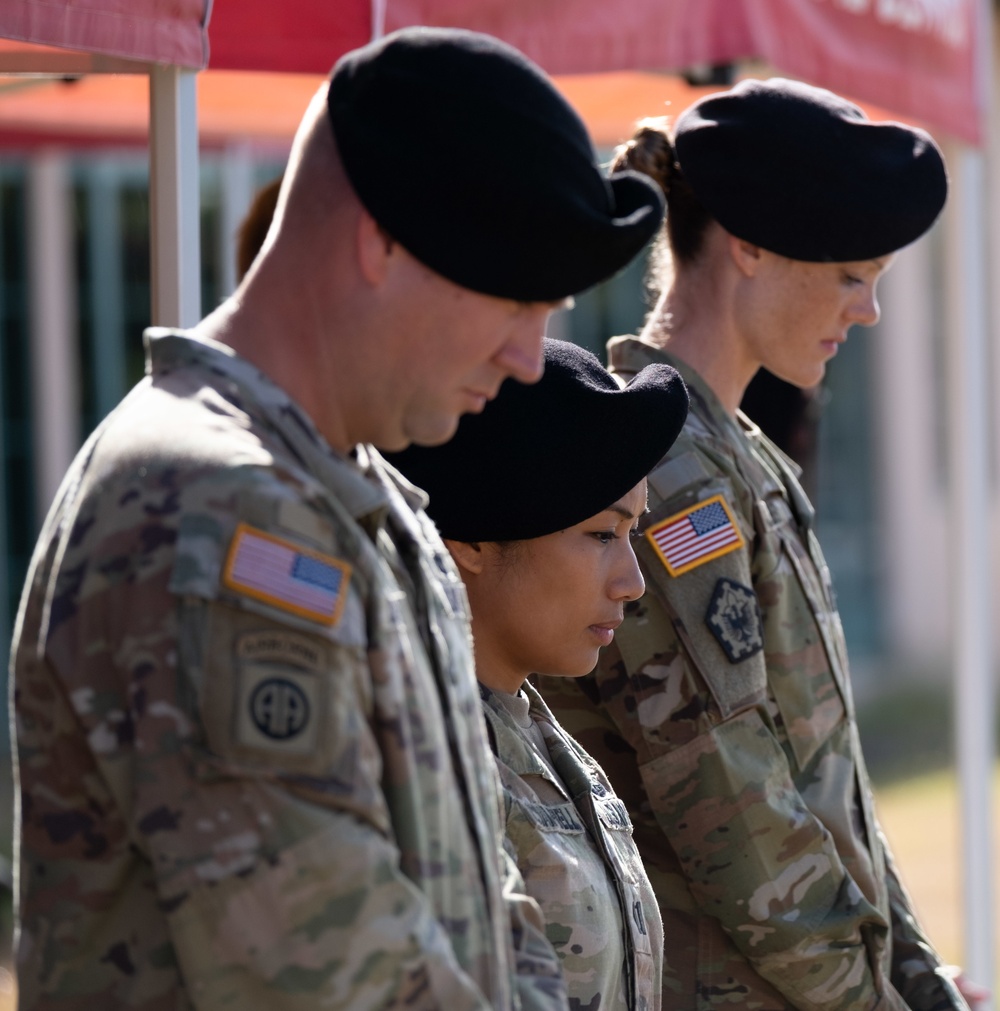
[(908, 737), (921, 818)]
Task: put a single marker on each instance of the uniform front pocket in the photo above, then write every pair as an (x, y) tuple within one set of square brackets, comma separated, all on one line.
[(802, 678)]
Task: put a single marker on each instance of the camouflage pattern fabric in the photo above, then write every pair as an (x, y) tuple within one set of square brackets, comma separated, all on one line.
[(572, 840), (253, 771), (723, 716)]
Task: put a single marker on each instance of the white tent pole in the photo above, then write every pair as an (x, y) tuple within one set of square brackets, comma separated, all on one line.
[(5, 629), (967, 342), (970, 529), (236, 194), (173, 196), (55, 370), (107, 289), (378, 18)]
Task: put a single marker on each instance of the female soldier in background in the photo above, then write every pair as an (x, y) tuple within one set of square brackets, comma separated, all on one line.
[(723, 710), (536, 499)]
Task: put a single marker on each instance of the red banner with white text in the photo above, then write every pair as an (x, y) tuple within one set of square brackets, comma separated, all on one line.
[(916, 58)]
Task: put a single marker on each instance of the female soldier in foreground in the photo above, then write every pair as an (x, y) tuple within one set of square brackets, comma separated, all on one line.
[(537, 498), (723, 710)]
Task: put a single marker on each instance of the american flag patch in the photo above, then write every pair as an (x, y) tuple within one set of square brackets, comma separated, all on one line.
[(695, 536), (285, 575)]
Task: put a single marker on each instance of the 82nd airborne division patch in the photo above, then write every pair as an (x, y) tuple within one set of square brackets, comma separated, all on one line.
[(734, 619)]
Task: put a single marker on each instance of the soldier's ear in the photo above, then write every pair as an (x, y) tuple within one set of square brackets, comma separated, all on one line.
[(375, 248), (745, 255), (468, 556)]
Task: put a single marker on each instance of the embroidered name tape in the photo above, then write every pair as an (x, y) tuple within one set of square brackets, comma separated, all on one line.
[(552, 817), (613, 814), (287, 576), (695, 536)]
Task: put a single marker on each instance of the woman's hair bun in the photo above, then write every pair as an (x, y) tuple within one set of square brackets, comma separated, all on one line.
[(650, 151)]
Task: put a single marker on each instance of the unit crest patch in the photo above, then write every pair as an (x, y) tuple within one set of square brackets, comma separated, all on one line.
[(278, 710), (734, 619)]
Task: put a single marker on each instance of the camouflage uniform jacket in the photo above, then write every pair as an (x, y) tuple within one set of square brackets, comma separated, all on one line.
[(253, 771), (572, 839), (723, 715)]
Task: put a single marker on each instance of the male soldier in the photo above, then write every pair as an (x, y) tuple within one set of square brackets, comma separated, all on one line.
[(252, 770)]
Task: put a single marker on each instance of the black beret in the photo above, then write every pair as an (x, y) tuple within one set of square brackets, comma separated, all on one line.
[(464, 152), (543, 457), (804, 173)]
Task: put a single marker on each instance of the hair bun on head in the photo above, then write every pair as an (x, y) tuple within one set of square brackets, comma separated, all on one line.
[(649, 151)]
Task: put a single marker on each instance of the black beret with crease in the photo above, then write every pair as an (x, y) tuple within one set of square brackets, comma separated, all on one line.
[(804, 173), (464, 152), (544, 457)]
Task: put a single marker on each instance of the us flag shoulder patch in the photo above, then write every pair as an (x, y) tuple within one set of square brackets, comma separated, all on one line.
[(695, 536), (286, 575)]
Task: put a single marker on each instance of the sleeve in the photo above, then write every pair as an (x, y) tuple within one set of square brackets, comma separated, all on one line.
[(917, 971), (540, 984), (687, 686), (269, 746)]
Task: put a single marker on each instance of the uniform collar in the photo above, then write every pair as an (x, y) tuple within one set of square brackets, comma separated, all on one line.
[(362, 483), (627, 355)]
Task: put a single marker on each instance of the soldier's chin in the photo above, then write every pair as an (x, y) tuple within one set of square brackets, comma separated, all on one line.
[(438, 432), (575, 670), (432, 434)]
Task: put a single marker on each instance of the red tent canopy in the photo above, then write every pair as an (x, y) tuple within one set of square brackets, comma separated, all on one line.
[(155, 31), (916, 58)]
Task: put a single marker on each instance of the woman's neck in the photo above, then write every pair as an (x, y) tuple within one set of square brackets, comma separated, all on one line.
[(693, 322), (498, 676)]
